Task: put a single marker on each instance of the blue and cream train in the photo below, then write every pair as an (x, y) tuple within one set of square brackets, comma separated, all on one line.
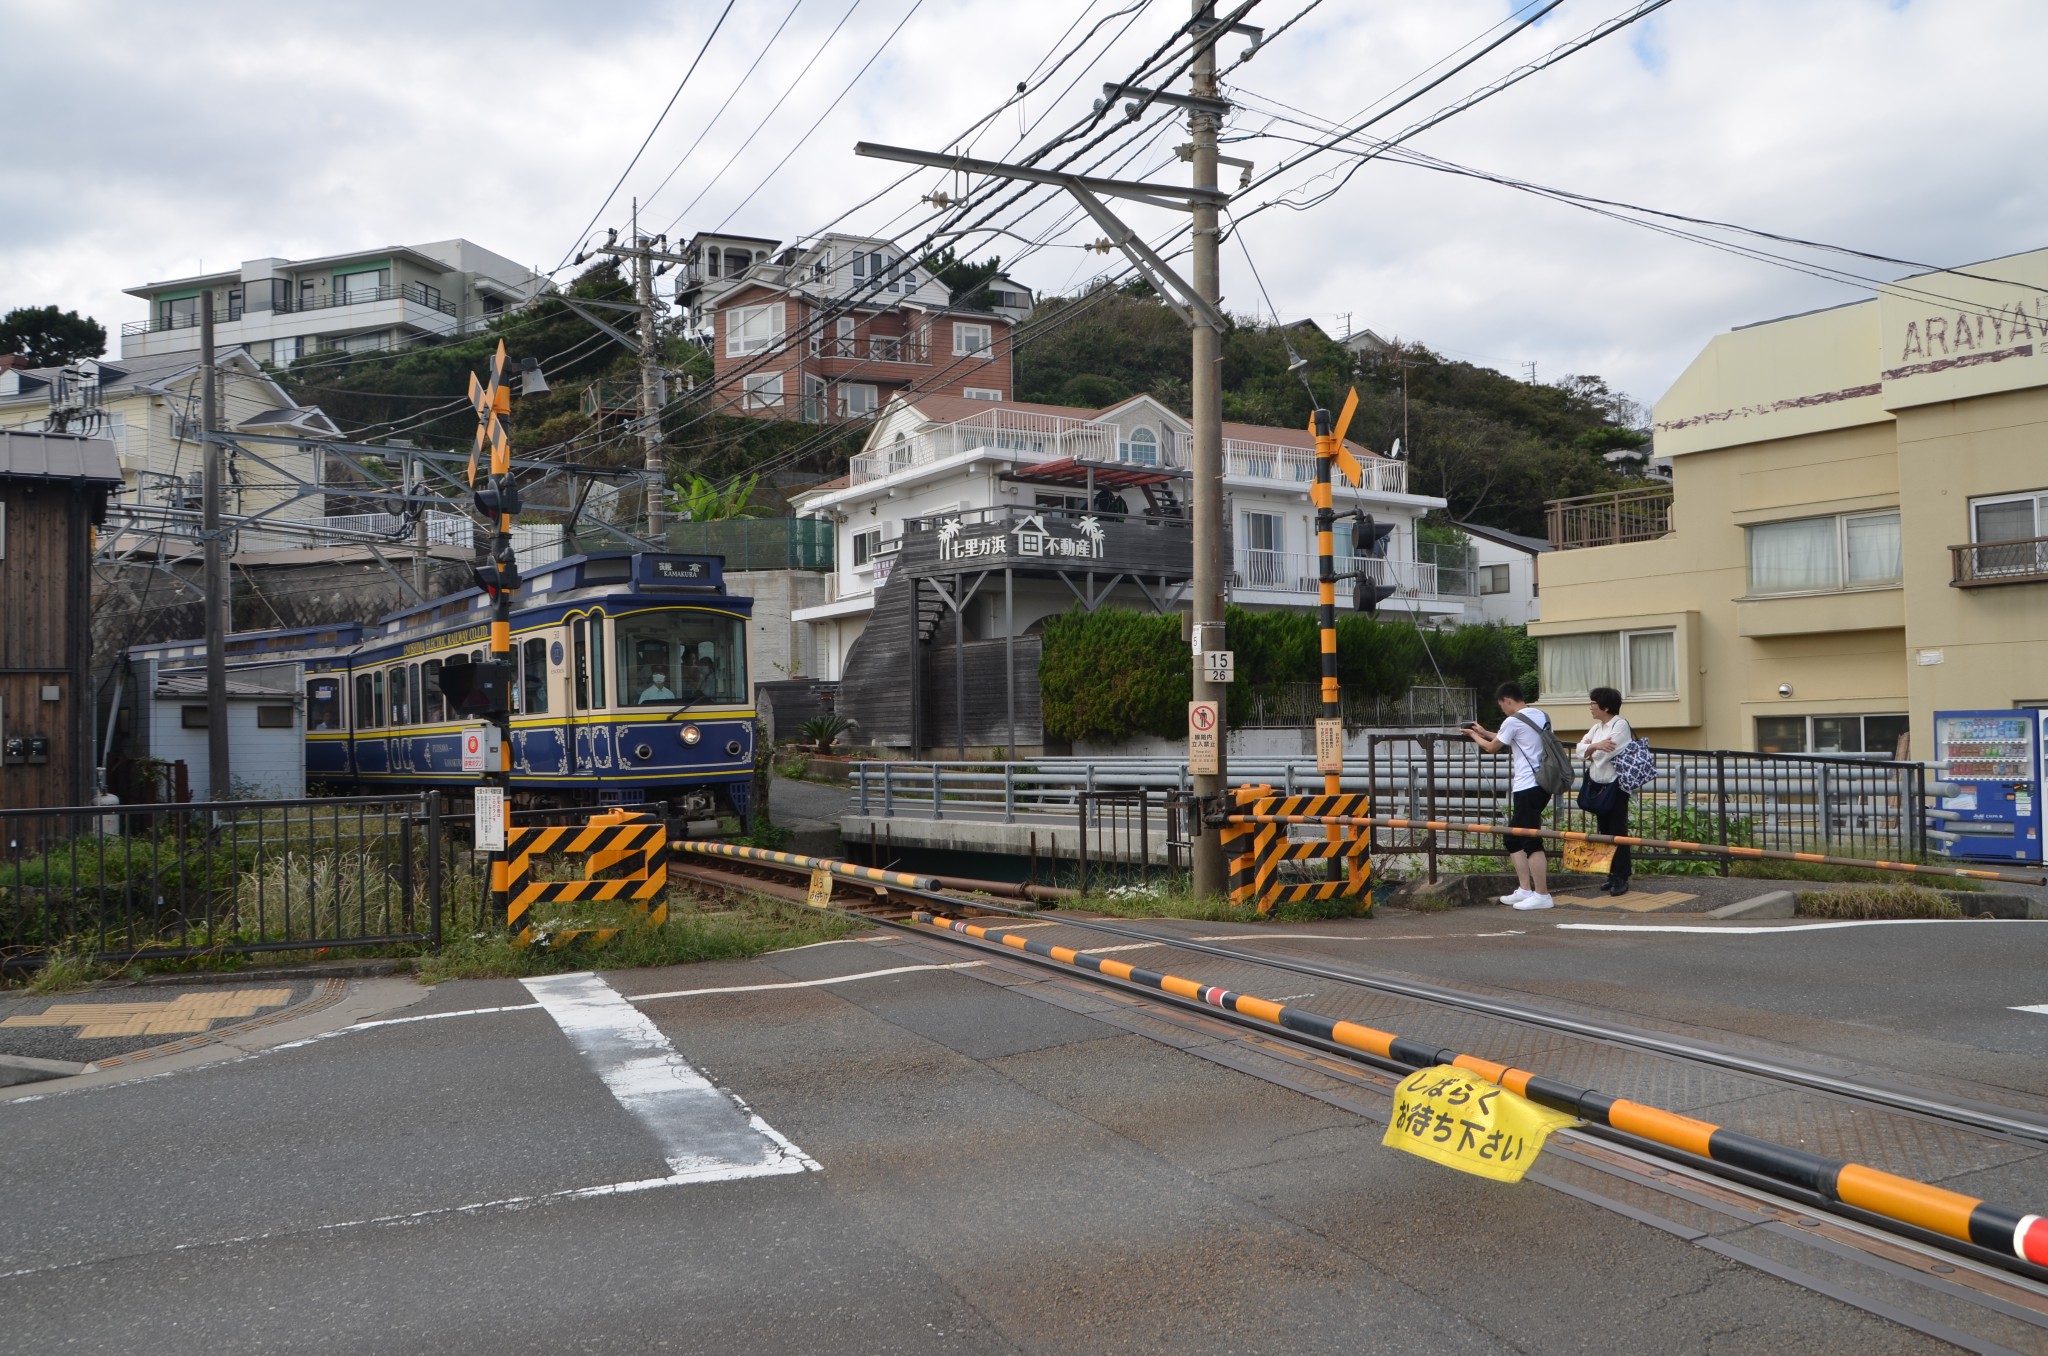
[(630, 683)]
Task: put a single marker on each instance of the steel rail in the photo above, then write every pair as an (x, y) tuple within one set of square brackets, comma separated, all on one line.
[(1969, 1220), (1628, 840)]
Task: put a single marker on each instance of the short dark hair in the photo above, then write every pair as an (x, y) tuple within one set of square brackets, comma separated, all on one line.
[(1606, 698), (1508, 691)]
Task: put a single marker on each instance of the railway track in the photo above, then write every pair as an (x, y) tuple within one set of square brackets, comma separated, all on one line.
[(1971, 1297)]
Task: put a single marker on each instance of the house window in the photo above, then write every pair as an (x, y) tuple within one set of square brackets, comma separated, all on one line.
[(762, 390), (1141, 447), (192, 717), (306, 286), (1640, 664), (275, 717), (975, 341), (865, 547), (1871, 736), (2011, 525), (235, 303), (1824, 555), (856, 398), (842, 343), (980, 393), (284, 351), (431, 295), (367, 286), (179, 314), (1493, 579), (753, 329), (1264, 564), (814, 399)]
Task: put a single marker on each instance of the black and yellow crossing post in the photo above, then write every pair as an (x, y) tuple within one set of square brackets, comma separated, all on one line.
[(1331, 454), (497, 498)]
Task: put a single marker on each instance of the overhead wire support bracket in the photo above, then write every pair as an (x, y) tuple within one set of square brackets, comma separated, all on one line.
[(1187, 303), (1193, 103)]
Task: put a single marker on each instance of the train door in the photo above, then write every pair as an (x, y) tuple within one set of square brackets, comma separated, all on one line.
[(591, 748)]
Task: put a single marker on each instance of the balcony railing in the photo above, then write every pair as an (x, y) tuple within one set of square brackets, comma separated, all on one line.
[(443, 529), (1610, 519), (1980, 564), (430, 298), (1297, 572), (1297, 465), (1032, 436)]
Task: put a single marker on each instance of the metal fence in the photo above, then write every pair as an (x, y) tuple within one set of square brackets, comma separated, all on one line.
[(166, 881), (1796, 803), (1299, 705)]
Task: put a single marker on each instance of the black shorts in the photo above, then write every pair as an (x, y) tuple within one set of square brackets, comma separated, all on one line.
[(1529, 807)]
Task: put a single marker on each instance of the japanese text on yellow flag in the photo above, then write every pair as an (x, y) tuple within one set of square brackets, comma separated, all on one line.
[(1462, 1121), (1592, 859)]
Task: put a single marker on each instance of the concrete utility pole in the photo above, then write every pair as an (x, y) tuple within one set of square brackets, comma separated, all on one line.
[(215, 567), (643, 253), (1206, 386)]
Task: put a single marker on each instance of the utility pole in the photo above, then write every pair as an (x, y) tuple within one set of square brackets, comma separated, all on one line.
[(215, 562), (643, 252), (1197, 304), (1210, 501)]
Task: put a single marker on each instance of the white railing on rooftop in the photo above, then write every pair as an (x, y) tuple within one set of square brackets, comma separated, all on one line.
[(443, 529), (1029, 435), (1297, 465)]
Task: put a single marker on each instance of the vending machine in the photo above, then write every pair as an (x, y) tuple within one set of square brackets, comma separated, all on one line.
[(1987, 787)]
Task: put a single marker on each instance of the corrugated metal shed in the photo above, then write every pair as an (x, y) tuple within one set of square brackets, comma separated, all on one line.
[(58, 456)]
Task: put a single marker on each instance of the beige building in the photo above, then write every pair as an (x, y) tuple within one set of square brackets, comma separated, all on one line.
[(1856, 533)]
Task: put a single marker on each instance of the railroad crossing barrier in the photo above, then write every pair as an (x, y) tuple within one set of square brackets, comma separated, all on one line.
[(607, 841), (1255, 843), (1260, 816), (866, 875), (1966, 1219)]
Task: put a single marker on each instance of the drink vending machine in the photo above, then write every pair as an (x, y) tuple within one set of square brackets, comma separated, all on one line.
[(1987, 787)]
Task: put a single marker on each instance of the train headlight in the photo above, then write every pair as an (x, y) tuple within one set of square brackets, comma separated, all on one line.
[(691, 734)]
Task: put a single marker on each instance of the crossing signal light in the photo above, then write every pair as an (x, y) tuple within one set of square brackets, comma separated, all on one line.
[(477, 689), (1369, 538), (497, 495), (1368, 593)]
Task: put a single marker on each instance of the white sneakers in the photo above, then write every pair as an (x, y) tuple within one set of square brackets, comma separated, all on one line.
[(1517, 896), (1528, 899)]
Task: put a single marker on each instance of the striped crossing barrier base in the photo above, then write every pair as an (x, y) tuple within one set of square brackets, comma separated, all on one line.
[(629, 847), (1254, 850)]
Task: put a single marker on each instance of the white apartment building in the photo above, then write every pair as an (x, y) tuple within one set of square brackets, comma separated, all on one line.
[(1090, 507), (382, 298)]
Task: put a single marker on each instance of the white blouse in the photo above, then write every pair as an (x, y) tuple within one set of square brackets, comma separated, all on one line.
[(1600, 762)]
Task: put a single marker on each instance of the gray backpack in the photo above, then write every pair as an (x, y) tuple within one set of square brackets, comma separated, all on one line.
[(1554, 771)]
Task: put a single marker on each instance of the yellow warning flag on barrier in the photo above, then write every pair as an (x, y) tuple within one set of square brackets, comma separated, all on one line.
[(820, 896), (1462, 1121), (1591, 859)]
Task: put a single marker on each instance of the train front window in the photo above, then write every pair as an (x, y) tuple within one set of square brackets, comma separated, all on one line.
[(680, 658)]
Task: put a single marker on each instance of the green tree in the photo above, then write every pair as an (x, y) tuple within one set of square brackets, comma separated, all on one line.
[(966, 283), (48, 337), (703, 500), (1113, 672)]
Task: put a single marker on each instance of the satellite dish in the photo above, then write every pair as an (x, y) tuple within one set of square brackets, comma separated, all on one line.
[(1396, 452)]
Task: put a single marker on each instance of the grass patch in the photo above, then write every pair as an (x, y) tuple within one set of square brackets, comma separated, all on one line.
[(1833, 875), (64, 971), (731, 929), (1174, 899), (1889, 900)]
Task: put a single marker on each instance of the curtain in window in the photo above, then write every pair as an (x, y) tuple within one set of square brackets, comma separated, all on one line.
[(1653, 664), (1575, 665), (1873, 548), (1794, 557), (2012, 520)]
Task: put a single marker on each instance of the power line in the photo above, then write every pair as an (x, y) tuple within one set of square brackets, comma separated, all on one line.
[(585, 232), (759, 57)]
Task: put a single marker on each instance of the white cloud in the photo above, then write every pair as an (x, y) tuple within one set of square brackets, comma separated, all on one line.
[(147, 141)]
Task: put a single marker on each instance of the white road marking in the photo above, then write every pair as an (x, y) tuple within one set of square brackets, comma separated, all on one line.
[(1745, 931), (705, 1134), (800, 983), (2041, 1008)]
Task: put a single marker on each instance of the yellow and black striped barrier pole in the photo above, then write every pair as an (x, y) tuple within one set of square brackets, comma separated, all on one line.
[(1622, 839), (1935, 1209), (867, 875)]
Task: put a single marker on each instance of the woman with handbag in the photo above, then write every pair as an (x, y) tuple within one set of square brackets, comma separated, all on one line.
[(1601, 794)]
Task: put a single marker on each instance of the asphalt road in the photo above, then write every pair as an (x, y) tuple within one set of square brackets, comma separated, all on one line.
[(961, 1167)]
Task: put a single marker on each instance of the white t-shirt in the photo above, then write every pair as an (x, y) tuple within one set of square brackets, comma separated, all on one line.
[(1525, 746), (1600, 762)]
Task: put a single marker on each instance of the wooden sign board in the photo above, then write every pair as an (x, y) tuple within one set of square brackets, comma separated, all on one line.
[(1205, 723), (1329, 744)]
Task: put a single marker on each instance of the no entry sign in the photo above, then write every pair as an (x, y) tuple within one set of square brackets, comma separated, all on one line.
[(1204, 722)]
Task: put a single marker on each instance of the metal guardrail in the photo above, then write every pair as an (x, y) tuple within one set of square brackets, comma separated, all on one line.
[(124, 882), (1783, 801)]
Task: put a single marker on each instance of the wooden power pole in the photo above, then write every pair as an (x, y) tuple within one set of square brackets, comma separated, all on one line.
[(214, 558)]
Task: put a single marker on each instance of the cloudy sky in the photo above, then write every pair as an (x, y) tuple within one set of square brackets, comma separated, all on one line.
[(149, 141)]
